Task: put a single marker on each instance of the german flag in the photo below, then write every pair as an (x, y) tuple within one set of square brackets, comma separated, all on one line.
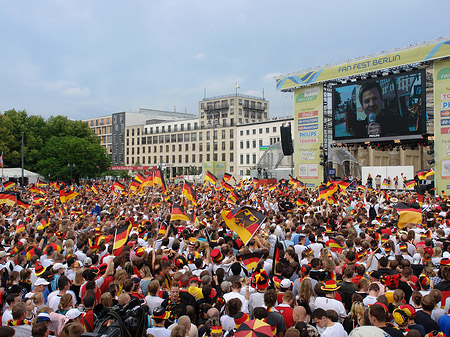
[(409, 213), (9, 198), (211, 178), (146, 182), (272, 187), (37, 190), (44, 222), (54, 185), (343, 184), (410, 183), (134, 184), (61, 211), (227, 177), (300, 202), (22, 203), (335, 245), (226, 186), (121, 236), (159, 180), (37, 200), (189, 192), (66, 196), (94, 189), (250, 260), (296, 183), (386, 183), (118, 186), (276, 257), (422, 175), (9, 185), (40, 183), (139, 178), (20, 227), (327, 191), (429, 173), (361, 188), (244, 221), (233, 197), (193, 218), (31, 251), (178, 213)]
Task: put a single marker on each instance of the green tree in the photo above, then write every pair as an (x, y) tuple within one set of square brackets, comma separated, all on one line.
[(89, 158)]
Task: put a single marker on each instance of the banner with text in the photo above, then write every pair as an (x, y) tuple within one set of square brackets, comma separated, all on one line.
[(431, 51), (442, 125), (308, 134)]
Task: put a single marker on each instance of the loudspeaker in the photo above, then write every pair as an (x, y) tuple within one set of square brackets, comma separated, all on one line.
[(286, 140)]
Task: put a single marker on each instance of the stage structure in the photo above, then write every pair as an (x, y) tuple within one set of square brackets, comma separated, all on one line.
[(378, 102)]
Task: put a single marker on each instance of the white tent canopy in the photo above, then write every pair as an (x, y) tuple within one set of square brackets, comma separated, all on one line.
[(16, 173)]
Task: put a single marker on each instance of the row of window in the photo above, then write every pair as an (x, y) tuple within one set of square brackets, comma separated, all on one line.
[(180, 159), (247, 159), (181, 137), (101, 121), (187, 148), (260, 131), (223, 104)]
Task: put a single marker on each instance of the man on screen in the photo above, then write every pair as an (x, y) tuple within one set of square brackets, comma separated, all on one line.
[(378, 122)]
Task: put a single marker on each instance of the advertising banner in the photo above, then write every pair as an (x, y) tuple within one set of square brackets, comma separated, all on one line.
[(426, 52), (308, 134), (441, 122), (218, 168)]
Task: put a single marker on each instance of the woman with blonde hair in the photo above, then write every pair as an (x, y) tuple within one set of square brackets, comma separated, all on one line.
[(306, 293), (398, 297), (38, 299), (77, 283), (146, 278), (120, 277), (355, 317), (65, 304), (106, 299)]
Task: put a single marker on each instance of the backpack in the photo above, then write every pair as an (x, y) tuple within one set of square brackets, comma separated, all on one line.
[(372, 212)]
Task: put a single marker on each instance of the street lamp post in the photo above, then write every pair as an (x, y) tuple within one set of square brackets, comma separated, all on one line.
[(71, 168)]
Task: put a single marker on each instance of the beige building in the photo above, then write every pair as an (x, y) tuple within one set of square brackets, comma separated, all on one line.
[(102, 127)]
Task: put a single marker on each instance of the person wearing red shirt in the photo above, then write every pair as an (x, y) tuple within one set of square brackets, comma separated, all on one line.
[(286, 308)]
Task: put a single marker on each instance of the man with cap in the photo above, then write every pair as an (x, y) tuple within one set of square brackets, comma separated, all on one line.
[(328, 302), (39, 287), (160, 315), (74, 315)]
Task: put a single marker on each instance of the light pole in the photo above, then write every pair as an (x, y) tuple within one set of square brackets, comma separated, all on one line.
[(214, 124), (71, 167)]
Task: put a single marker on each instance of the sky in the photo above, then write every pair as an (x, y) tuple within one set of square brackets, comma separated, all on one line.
[(84, 59)]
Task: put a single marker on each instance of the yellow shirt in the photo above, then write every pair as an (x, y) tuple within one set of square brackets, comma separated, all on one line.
[(196, 292)]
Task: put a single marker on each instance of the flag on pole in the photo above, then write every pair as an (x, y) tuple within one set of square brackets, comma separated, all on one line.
[(276, 257), (178, 213), (189, 191), (250, 260), (121, 236), (211, 178), (327, 191), (409, 213), (1, 160), (244, 221), (159, 180)]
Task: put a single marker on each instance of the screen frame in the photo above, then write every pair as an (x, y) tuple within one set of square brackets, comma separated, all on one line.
[(417, 135)]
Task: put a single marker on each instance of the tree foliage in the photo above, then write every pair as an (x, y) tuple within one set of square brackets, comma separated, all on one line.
[(49, 145)]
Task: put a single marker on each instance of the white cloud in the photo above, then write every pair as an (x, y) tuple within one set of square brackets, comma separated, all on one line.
[(76, 92), (199, 56), (58, 85)]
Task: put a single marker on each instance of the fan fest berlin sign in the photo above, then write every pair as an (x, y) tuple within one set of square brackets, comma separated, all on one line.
[(433, 50)]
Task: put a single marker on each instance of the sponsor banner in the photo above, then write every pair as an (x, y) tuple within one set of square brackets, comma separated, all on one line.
[(218, 168), (308, 120), (433, 50), (309, 135), (442, 118), (126, 168), (307, 114), (307, 127)]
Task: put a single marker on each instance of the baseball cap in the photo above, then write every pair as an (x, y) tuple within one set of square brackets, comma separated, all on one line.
[(3, 254), (87, 262), (58, 266), (73, 313), (43, 317), (40, 281), (285, 283)]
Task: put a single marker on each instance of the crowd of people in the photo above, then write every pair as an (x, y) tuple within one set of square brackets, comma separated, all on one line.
[(325, 267)]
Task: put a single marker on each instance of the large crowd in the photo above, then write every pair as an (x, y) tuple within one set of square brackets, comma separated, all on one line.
[(328, 267)]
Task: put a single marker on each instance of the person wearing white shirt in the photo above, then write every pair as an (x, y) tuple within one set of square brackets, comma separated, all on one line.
[(374, 291), (63, 286), (10, 300), (326, 326), (328, 302), (235, 293)]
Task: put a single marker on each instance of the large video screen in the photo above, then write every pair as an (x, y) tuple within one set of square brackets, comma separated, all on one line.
[(380, 109)]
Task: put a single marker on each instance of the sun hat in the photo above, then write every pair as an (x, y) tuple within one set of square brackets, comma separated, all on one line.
[(330, 285)]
